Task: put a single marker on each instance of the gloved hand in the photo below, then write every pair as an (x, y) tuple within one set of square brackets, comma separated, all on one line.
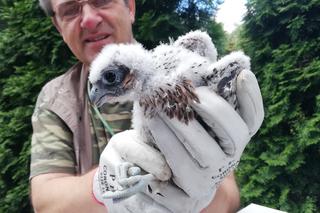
[(201, 154), (118, 178)]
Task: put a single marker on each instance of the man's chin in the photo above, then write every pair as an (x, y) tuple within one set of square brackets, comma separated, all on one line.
[(93, 50), (98, 45)]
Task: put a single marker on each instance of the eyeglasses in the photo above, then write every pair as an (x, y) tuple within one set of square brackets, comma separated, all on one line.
[(69, 10)]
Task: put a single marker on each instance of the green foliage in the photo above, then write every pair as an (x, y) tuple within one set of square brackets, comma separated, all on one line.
[(156, 21), (218, 35), (280, 166), (32, 53), (233, 42)]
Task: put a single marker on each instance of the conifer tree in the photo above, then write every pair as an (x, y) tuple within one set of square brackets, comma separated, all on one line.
[(280, 168), (158, 20), (30, 54)]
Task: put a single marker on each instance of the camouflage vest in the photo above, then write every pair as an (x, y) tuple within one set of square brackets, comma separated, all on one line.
[(66, 97)]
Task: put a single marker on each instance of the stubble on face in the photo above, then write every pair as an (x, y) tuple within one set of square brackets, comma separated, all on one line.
[(88, 34)]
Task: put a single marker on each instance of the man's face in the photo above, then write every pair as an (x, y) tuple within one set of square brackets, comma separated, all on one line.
[(96, 27)]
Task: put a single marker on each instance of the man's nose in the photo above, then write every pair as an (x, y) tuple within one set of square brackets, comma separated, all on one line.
[(90, 17)]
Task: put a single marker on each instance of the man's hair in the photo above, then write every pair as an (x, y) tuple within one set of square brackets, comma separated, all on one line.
[(47, 6)]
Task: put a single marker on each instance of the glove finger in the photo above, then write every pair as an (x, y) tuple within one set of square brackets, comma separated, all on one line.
[(110, 155), (164, 192), (250, 100), (200, 146), (187, 173), (117, 194), (122, 194), (142, 154), (139, 203), (228, 127)]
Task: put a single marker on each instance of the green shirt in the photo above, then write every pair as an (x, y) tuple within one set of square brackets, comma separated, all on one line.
[(52, 147)]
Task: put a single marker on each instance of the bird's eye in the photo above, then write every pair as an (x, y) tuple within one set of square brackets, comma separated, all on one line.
[(113, 76), (110, 78)]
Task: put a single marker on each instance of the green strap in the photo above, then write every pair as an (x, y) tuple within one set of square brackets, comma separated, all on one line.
[(104, 122)]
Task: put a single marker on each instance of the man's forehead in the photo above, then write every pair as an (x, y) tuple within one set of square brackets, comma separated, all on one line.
[(57, 2)]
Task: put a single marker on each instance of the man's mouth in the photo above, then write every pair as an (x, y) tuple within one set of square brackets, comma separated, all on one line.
[(95, 39)]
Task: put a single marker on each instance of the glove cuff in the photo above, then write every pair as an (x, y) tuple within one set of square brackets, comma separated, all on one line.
[(96, 192)]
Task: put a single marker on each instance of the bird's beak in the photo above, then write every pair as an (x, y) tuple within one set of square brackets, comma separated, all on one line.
[(94, 95)]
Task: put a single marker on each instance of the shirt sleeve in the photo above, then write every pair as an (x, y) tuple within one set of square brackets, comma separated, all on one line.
[(52, 148)]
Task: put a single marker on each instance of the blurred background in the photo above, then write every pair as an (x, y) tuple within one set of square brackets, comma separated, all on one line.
[(281, 166)]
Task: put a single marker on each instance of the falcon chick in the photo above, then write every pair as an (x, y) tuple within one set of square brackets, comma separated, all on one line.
[(164, 79)]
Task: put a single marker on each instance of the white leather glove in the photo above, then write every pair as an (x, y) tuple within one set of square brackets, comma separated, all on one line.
[(118, 181), (199, 160), (130, 189)]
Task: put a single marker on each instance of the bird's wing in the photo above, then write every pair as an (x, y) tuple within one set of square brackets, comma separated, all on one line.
[(198, 42)]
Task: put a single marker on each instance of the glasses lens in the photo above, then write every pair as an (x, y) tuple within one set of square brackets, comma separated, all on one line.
[(100, 3), (69, 10)]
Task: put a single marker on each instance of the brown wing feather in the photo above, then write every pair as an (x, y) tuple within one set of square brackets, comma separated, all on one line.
[(173, 100)]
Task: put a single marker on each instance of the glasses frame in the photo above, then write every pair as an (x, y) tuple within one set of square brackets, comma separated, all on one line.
[(79, 3)]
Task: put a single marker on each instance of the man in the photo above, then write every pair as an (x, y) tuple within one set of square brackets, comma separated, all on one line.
[(68, 136)]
